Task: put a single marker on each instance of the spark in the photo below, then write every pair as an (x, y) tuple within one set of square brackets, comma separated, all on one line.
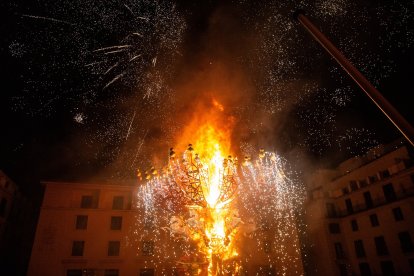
[(129, 9), (115, 51), (114, 80), (48, 19), (112, 47), (79, 118), (134, 57), (266, 195), (93, 63), (16, 49), (143, 18), (139, 148), (110, 68), (130, 125)]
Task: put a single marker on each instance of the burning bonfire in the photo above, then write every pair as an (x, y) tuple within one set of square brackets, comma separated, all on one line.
[(208, 201)]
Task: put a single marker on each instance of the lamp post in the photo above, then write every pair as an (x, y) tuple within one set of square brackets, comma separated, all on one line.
[(382, 103)]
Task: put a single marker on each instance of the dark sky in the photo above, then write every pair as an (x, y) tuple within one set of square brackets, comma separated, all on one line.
[(73, 109)]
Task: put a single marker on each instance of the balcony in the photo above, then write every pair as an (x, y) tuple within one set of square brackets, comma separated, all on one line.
[(377, 202)]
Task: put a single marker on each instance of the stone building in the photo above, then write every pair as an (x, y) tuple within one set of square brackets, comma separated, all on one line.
[(360, 215), (17, 222), (97, 229), (8, 194)]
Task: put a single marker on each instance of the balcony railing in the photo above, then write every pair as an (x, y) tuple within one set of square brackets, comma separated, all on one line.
[(402, 194)]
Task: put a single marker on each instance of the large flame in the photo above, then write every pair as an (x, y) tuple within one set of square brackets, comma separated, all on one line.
[(209, 148), (211, 136)]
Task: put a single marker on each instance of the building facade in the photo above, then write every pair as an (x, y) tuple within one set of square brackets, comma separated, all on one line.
[(17, 221), (97, 229), (8, 194), (360, 215)]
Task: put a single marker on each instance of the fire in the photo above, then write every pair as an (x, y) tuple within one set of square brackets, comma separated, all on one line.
[(218, 105), (212, 145), (195, 193), (210, 149)]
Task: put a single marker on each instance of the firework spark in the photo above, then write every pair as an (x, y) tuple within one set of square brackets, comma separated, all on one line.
[(213, 205), (47, 19)]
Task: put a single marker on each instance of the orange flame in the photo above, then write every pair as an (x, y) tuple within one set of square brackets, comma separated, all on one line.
[(218, 105), (210, 134)]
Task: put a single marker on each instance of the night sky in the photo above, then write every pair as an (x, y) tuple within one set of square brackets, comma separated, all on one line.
[(75, 107)]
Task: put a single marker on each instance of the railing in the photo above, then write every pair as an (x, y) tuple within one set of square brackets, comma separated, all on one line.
[(402, 194)]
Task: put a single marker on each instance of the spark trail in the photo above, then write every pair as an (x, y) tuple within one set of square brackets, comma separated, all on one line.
[(130, 125), (48, 19)]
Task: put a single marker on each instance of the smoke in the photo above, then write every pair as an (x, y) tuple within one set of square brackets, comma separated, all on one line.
[(259, 73), (278, 89)]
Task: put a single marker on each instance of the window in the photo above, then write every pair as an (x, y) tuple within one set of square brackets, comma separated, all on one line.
[(353, 185), (267, 246), (342, 270), (373, 179), (86, 201), (116, 223), (339, 252), (406, 242), (118, 203), (359, 249), (3, 205), (113, 248), (398, 214), (330, 209), (387, 268), (381, 246), (349, 206), (74, 272), (345, 190), (411, 262), (354, 225), (111, 272), (374, 220), (363, 183), (384, 174), (90, 272), (81, 222), (334, 228), (389, 192), (146, 272), (77, 248), (148, 248), (365, 269), (368, 200)]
